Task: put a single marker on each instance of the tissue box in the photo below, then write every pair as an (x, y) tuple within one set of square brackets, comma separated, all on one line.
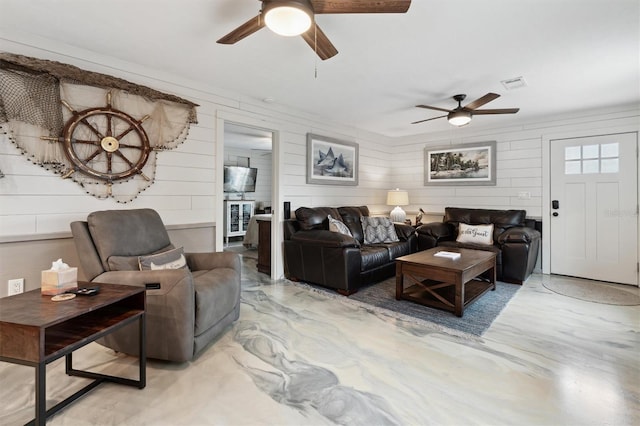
[(56, 282)]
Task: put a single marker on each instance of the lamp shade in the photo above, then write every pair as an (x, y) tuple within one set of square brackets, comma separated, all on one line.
[(288, 18), (397, 198)]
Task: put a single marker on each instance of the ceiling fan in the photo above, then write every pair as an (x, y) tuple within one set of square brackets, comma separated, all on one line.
[(296, 17), (461, 115)]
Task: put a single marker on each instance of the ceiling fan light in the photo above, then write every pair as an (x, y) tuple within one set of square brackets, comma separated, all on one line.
[(459, 118), (287, 18)]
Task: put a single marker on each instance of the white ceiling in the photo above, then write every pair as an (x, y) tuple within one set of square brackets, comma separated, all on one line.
[(574, 54)]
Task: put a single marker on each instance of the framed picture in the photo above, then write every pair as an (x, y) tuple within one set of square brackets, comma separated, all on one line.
[(331, 161), (468, 164)]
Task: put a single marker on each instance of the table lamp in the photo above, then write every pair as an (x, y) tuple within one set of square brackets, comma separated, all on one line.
[(397, 198)]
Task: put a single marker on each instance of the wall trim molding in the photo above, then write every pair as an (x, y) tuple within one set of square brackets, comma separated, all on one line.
[(63, 235)]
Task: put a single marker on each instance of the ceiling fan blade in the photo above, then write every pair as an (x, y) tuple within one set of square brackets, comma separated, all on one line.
[(432, 107), (428, 119), (319, 42), (481, 101), (360, 6), (496, 111), (244, 30)]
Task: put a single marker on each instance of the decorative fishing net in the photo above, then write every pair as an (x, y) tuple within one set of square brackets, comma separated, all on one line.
[(33, 93)]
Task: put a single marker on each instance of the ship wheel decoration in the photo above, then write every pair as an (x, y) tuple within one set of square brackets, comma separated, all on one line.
[(104, 143)]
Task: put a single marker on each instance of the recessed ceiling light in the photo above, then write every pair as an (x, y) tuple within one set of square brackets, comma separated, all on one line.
[(268, 100), (514, 83)]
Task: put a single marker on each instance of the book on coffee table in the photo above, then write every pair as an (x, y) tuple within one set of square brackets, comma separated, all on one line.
[(448, 254)]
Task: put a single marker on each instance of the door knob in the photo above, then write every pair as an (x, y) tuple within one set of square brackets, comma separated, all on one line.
[(555, 214), (555, 205)]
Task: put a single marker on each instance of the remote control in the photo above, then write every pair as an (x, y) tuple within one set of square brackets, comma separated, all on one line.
[(86, 291)]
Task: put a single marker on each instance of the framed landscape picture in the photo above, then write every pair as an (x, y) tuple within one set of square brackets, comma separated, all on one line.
[(331, 161), (468, 164)]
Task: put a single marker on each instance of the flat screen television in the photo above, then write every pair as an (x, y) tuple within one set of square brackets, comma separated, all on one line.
[(240, 179)]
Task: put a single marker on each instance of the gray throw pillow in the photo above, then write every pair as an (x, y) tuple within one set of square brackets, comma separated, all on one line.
[(337, 226), (378, 230), (172, 259)]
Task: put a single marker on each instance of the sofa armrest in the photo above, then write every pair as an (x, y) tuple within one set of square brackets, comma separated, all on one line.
[(404, 231), (518, 235), (324, 238), (170, 312), (209, 261), (430, 234), (519, 247), (437, 230), (167, 278)]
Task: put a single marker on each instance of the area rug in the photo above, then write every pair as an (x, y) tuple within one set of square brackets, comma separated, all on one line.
[(594, 291), (380, 298)]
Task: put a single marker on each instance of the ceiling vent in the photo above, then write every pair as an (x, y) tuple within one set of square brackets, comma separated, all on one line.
[(514, 83)]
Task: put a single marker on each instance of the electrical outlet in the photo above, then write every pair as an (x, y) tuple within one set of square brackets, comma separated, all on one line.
[(16, 286), (524, 195)]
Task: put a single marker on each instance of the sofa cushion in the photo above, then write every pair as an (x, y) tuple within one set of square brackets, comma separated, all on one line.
[(374, 256), (351, 217), (378, 230), (477, 234), (397, 249), (336, 226), (316, 217)]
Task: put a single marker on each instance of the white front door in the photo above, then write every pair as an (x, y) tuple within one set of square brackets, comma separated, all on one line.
[(594, 207)]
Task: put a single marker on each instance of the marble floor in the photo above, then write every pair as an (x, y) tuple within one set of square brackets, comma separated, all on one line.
[(298, 358)]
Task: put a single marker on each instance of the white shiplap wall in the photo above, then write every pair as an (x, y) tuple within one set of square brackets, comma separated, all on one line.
[(33, 201), (37, 204), (520, 161)]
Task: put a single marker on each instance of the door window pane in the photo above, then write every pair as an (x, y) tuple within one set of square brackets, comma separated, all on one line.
[(590, 166), (609, 165), (609, 150), (572, 167), (572, 153), (590, 151)]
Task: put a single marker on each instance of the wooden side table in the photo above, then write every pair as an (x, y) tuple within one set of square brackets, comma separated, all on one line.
[(34, 331), (264, 246)]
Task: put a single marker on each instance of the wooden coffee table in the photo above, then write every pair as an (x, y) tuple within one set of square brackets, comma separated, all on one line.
[(34, 331), (443, 283)]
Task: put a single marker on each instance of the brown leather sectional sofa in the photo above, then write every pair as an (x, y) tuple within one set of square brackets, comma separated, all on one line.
[(314, 254)]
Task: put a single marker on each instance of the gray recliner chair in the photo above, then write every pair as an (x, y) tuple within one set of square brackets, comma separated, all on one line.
[(192, 306)]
